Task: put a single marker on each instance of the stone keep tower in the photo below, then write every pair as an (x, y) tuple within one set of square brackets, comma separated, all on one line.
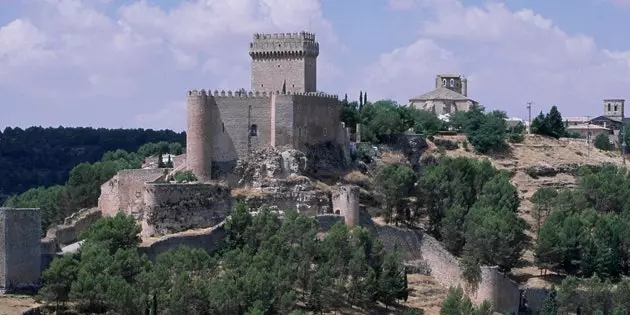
[(20, 249), (453, 82), (285, 62), (199, 135), (614, 108)]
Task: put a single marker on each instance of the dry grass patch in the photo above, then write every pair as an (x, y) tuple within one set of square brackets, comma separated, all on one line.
[(357, 178), (393, 158)]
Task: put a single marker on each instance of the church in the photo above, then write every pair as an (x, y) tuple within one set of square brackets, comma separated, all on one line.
[(450, 95)]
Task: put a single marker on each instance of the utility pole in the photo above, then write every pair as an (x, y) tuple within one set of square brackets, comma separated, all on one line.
[(588, 136), (623, 144), (529, 108)]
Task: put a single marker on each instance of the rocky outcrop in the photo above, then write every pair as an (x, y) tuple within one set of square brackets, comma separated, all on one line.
[(270, 163), (295, 192)]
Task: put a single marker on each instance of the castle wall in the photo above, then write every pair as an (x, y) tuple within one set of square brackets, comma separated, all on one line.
[(316, 119), (123, 192), (20, 256), (209, 240), (73, 226), (495, 287), (172, 208)]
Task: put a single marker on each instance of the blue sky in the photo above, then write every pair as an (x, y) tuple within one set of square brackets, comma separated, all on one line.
[(117, 63)]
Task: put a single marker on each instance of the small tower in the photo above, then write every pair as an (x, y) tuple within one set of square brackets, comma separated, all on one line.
[(284, 62), (614, 108), (346, 203), (199, 135), (453, 82)]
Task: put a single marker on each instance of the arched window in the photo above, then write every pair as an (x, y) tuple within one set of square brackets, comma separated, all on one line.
[(444, 82), (615, 107), (608, 106), (253, 130), (222, 127), (452, 83)]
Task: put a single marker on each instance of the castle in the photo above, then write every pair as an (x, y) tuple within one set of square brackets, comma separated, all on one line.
[(282, 109), (450, 95)]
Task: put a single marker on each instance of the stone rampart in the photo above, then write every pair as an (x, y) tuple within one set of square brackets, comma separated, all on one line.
[(495, 287), (20, 254), (70, 231), (123, 192), (208, 239), (172, 208)]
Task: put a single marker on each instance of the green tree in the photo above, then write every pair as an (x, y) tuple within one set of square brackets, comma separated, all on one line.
[(395, 183), (58, 279), (550, 305), (603, 143), (543, 200)]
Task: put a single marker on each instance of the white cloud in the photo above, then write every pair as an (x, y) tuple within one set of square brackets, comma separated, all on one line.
[(131, 67), (509, 56)]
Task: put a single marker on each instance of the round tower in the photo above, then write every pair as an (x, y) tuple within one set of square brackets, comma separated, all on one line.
[(199, 135), (346, 202)]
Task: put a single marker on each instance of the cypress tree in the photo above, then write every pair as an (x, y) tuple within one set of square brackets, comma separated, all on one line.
[(364, 98)]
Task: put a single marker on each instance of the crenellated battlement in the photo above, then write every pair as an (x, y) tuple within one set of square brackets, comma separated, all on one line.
[(284, 45), (247, 94)]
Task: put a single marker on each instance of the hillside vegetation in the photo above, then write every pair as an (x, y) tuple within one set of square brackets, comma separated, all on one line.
[(42, 157)]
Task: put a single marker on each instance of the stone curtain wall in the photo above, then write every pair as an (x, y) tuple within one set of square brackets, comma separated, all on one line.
[(208, 240), (20, 259), (172, 208), (72, 228), (316, 120), (124, 191), (495, 287)]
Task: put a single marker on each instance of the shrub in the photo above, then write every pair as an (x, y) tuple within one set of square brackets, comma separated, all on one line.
[(185, 176)]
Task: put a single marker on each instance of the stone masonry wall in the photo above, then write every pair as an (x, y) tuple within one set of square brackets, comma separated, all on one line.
[(503, 293), (345, 201), (20, 255), (285, 59), (316, 120), (172, 208), (123, 192), (209, 240), (73, 226)]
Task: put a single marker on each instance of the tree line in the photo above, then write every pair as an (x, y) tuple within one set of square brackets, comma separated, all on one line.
[(264, 265), (43, 157), (83, 187), (468, 205), (486, 131), (586, 230)]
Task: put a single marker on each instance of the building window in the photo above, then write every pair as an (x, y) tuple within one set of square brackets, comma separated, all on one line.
[(278, 65), (261, 85), (452, 83), (325, 132), (615, 107), (222, 127), (444, 82), (253, 130), (608, 106)]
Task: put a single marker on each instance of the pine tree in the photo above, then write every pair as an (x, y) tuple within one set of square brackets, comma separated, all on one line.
[(364, 98), (160, 161), (345, 98), (554, 121), (550, 305)]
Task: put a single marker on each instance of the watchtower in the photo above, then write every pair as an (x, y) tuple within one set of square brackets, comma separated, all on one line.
[(614, 108), (454, 82), (284, 62)]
